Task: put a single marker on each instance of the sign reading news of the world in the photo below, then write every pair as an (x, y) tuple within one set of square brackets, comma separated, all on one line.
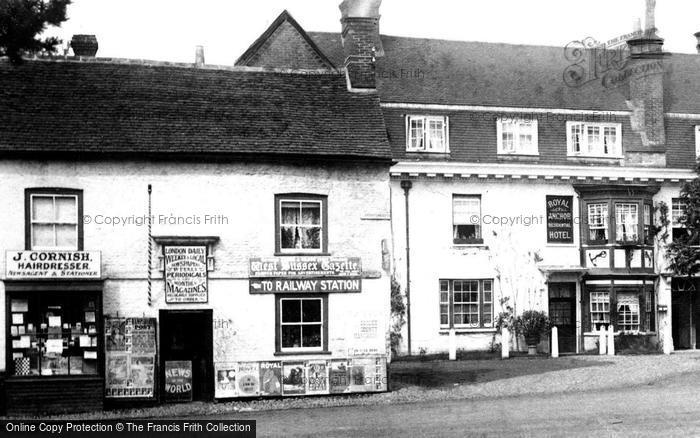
[(186, 274), (37, 265), (305, 274)]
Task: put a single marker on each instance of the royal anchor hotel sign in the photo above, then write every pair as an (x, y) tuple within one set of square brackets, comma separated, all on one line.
[(38, 265)]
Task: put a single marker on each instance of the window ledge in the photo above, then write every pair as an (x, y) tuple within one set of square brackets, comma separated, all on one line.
[(302, 254), (596, 334), (518, 156), (467, 331), (302, 353), (594, 158), (469, 245)]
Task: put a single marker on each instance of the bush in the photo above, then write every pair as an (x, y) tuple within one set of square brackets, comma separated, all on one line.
[(532, 324)]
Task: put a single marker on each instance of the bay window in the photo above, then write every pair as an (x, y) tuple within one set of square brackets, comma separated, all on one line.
[(596, 140), (427, 134), (628, 308), (598, 222), (626, 222), (517, 136), (627, 312), (466, 303)]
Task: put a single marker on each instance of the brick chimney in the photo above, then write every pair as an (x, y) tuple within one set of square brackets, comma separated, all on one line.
[(697, 36), (361, 41), (84, 45), (646, 94)]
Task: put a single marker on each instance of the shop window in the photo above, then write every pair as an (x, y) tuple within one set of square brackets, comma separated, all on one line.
[(627, 312), (517, 136), (598, 222), (600, 309), (427, 134), (597, 140), (466, 303), (302, 324), (626, 222), (53, 335), (53, 219), (301, 224), (466, 219)]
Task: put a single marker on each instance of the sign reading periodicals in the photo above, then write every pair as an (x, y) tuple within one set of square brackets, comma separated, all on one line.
[(37, 265), (560, 219), (130, 345), (186, 274)]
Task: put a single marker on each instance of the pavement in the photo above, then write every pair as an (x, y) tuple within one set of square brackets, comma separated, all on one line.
[(667, 408)]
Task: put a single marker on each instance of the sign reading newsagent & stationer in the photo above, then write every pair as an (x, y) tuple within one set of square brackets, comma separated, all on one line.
[(306, 274), (37, 265)]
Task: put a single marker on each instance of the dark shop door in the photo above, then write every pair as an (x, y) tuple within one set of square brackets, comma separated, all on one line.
[(562, 313), (186, 335)]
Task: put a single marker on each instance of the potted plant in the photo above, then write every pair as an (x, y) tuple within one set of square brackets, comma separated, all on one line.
[(531, 324)]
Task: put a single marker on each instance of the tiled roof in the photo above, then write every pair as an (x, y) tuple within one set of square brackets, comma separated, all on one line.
[(120, 107), (429, 71)]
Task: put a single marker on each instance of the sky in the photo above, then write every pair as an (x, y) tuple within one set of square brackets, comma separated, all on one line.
[(169, 30)]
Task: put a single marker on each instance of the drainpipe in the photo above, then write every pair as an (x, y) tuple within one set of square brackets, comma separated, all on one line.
[(406, 186)]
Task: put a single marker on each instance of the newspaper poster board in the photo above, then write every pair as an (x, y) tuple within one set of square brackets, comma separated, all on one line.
[(186, 278), (177, 381), (130, 345)]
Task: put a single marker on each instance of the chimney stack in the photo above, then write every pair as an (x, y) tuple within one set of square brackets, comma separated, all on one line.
[(84, 45), (697, 36), (361, 41), (199, 56)]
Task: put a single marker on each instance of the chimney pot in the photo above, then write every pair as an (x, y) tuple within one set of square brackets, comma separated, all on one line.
[(84, 45), (697, 36), (199, 56)]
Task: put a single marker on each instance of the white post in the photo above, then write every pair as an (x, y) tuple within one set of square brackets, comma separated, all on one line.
[(601, 341), (453, 344), (505, 343), (555, 342), (611, 341)]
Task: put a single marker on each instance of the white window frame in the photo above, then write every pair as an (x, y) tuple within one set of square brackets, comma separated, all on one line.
[(615, 151), (474, 220), (697, 142), (598, 209), (55, 222), (521, 126), (282, 324), (626, 319), (677, 207), (301, 202), (426, 128), (597, 301), (485, 319), (620, 208)]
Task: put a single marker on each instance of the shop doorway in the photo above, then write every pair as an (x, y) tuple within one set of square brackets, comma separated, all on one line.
[(186, 335), (685, 311), (562, 313)]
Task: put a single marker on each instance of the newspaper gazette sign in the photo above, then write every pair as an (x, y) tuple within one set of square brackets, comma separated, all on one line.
[(306, 274), (186, 274), (36, 265)]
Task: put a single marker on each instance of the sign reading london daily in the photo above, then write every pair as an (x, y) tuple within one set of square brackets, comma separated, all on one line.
[(37, 265), (306, 275), (560, 219), (186, 274)]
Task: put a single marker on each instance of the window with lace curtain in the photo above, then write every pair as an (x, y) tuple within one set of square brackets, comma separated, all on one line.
[(627, 222), (427, 134), (301, 224)]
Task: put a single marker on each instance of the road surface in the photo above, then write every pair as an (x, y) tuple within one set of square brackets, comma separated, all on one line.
[(666, 408)]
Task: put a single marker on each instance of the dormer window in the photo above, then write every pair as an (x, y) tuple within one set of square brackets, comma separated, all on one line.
[(427, 134), (517, 136), (594, 140)]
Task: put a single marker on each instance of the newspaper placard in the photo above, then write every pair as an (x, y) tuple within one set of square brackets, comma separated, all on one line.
[(186, 274)]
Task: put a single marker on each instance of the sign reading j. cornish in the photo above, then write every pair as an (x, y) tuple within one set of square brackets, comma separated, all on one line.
[(37, 265)]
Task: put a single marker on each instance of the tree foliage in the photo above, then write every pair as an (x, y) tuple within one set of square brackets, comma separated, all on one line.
[(684, 252), (23, 21)]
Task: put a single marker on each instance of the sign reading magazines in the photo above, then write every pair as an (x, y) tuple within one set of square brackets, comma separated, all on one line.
[(130, 345), (186, 274), (52, 264), (305, 274), (560, 219)]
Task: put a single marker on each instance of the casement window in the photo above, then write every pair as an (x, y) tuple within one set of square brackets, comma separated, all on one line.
[(427, 134), (648, 229), (677, 212), (53, 219), (627, 312), (598, 222), (626, 222), (600, 309), (301, 224), (302, 323), (597, 140), (466, 303), (517, 136), (466, 219)]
